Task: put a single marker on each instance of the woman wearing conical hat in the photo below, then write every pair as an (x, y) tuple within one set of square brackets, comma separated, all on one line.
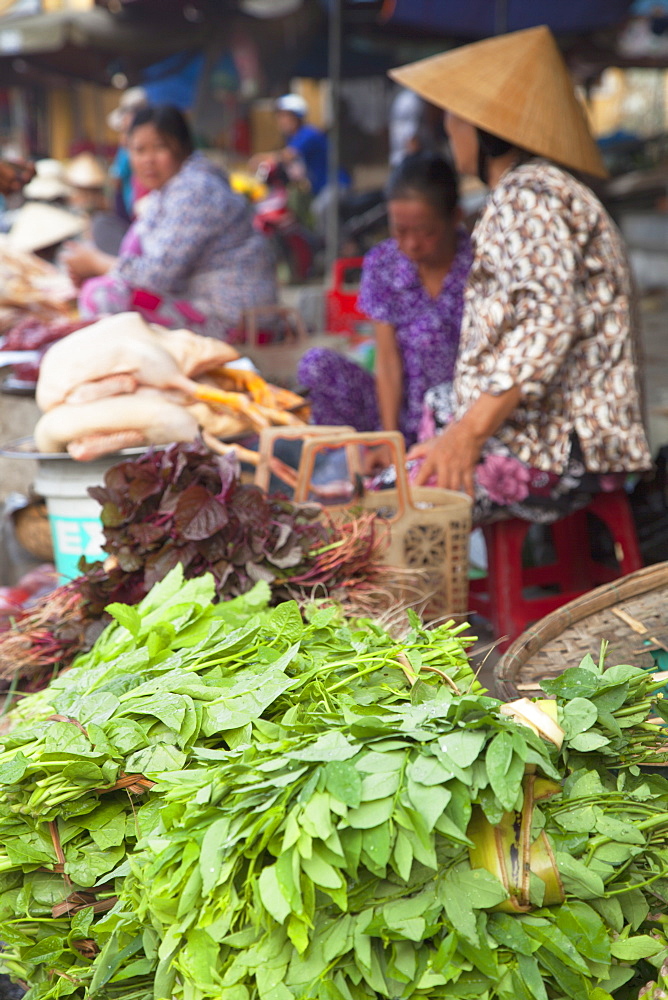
[(544, 408)]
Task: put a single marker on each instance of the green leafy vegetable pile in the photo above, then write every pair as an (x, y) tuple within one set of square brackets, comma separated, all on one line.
[(307, 832), (184, 506)]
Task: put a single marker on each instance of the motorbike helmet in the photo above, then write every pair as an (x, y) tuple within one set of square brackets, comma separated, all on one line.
[(293, 103)]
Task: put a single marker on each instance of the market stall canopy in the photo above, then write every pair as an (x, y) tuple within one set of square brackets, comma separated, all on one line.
[(480, 18), (96, 44), (94, 29)]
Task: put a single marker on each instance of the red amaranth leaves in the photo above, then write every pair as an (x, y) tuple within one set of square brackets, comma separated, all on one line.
[(185, 505)]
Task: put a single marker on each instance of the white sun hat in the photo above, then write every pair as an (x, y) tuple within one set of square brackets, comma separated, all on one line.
[(37, 226), (131, 100), (48, 183)]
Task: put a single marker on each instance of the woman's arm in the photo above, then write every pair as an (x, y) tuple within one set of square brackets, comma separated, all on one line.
[(532, 344), (83, 260), (389, 376), (453, 455)]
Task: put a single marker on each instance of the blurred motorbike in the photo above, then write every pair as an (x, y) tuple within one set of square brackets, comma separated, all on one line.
[(272, 195)]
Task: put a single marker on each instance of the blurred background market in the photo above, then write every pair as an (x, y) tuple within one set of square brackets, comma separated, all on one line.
[(293, 101)]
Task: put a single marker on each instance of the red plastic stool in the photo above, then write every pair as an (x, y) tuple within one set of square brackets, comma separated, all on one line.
[(341, 312), (500, 596)]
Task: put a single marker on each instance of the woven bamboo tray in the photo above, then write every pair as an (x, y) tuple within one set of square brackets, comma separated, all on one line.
[(562, 638), (32, 530)]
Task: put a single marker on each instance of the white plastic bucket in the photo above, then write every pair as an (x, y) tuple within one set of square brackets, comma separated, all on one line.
[(74, 517)]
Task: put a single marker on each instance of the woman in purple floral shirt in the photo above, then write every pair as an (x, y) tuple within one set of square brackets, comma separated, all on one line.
[(412, 288)]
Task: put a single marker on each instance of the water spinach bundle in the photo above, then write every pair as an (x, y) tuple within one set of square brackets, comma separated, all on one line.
[(243, 803)]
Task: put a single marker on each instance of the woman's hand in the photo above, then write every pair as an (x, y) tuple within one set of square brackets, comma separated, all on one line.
[(83, 261), (376, 459), (453, 455), (451, 458)]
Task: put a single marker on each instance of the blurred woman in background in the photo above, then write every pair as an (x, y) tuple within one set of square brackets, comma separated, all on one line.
[(412, 289), (192, 258)]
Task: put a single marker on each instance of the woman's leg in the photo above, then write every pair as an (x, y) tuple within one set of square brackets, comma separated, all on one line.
[(104, 295), (340, 392)]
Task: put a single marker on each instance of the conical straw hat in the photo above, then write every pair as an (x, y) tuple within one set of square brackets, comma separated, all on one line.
[(37, 225), (515, 86)]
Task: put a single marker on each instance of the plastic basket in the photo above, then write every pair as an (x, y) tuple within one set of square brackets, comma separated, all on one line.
[(428, 527)]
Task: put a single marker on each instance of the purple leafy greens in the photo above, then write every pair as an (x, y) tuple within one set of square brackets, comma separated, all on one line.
[(185, 505)]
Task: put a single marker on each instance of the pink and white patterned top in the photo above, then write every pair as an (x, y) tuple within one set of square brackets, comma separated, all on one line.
[(548, 308)]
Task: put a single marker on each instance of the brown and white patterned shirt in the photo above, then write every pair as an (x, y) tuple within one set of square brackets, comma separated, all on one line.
[(548, 308)]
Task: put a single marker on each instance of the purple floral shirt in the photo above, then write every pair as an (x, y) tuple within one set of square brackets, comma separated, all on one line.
[(427, 329)]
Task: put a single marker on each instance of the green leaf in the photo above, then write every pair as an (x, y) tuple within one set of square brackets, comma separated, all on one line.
[(316, 817), (482, 889), (271, 896), (154, 759), (588, 663), (635, 948), (578, 715), (610, 699), (403, 856), (12, 771), (577, 878), (482, 957), (110, 960), (428, 801), (375, 763), (370, 814), (286, 620), (587, 742), (620, 674), (332, 746), (47, 951), (634, 907), (583, 926), (458, 908), (248, 704), (508, 931), (112, 834), (575, 682), (579, 819), (505, 769), (377, 845), (211, 853), (321, 872), (619, 830), (531, 976), (406, 917), (85, 868), (343, 781), (463, 746), (128, 617), (611, 911)]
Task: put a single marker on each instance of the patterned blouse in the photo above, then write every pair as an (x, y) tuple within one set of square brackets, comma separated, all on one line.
[(548, 308), (426, 328), (198, 243)]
